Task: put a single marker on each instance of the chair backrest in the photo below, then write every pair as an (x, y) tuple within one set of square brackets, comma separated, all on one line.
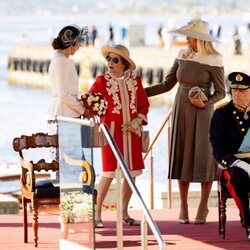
[(36, 192), (34, 141), (37, 140)]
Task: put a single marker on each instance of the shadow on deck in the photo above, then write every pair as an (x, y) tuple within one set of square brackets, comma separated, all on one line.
[(176, 236)]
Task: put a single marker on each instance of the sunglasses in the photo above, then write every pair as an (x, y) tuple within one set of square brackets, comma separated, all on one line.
[(113, 59)]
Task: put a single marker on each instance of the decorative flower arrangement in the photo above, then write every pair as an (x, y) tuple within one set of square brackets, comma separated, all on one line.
[(96, 102), (76, 207)]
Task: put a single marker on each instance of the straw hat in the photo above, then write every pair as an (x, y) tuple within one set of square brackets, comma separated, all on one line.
[(121, 51), (196, 28)]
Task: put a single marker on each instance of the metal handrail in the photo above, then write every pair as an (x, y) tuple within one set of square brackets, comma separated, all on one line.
[(89, 123), (126, 173), (150, 149), (158, 134), (132, 185)]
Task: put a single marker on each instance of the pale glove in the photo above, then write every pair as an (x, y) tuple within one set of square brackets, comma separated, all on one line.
[(244, 165), (197, 101), (133, 125), (197, 97), (197, 92)]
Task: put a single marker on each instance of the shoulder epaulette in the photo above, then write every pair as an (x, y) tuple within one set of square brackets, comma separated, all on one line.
[(221, 105)]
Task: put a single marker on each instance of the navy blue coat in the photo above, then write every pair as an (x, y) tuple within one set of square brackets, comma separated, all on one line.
[(227, 131)]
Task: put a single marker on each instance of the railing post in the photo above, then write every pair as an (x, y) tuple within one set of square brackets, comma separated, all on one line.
[(166, 122), (144, 234), (123, 169), (119, 225), (169, 179), (151, 180), (126, 173)]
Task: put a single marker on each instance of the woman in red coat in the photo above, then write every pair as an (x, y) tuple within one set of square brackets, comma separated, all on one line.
[(127, 112)]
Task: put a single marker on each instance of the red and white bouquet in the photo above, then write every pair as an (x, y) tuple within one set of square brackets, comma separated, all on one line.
[(95, 102)]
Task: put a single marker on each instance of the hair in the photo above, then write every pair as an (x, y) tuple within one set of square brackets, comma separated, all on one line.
[(66, 37), (203, 47), (126, 63)]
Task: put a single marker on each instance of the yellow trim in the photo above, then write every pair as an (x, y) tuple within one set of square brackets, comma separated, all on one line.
[(239, 86), (243, 155), (85, 177)]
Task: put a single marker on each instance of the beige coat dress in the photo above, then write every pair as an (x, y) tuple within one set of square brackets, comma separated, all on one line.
[(191, 157)]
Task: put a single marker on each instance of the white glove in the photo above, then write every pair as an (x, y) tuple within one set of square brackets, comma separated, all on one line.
[(244, 165)]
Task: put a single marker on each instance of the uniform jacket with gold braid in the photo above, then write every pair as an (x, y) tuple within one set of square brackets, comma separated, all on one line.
[(228, 128)]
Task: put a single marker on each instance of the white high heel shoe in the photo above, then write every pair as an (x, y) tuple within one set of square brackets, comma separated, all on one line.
[(184, 221)]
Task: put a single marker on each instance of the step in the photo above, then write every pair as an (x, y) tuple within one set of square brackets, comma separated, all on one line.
[(8, 204)]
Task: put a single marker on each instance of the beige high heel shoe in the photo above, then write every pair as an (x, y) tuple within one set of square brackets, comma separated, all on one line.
[(201, 220), (183, 217), (184, 221)]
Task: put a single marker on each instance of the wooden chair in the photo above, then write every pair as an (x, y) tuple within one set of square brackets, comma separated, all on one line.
[(223, 195), (32, 191)]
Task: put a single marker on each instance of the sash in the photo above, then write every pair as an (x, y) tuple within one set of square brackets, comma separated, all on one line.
[(244, 150)]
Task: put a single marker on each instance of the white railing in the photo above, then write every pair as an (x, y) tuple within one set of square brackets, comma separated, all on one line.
[(166, 123), (126, 173)]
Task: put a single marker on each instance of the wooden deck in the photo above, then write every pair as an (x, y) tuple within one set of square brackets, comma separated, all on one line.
[(176, 236)]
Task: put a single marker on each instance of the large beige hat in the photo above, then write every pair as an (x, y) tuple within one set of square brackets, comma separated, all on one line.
[(196, 28), (121, 51)]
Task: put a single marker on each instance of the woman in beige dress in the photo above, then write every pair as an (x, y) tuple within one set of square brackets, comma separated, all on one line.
[(191, 158)]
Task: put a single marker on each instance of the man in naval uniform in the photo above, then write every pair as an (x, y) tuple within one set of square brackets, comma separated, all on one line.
[(230, 140)]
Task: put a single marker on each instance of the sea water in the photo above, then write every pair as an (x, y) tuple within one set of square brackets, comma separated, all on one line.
[(22, 109)]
